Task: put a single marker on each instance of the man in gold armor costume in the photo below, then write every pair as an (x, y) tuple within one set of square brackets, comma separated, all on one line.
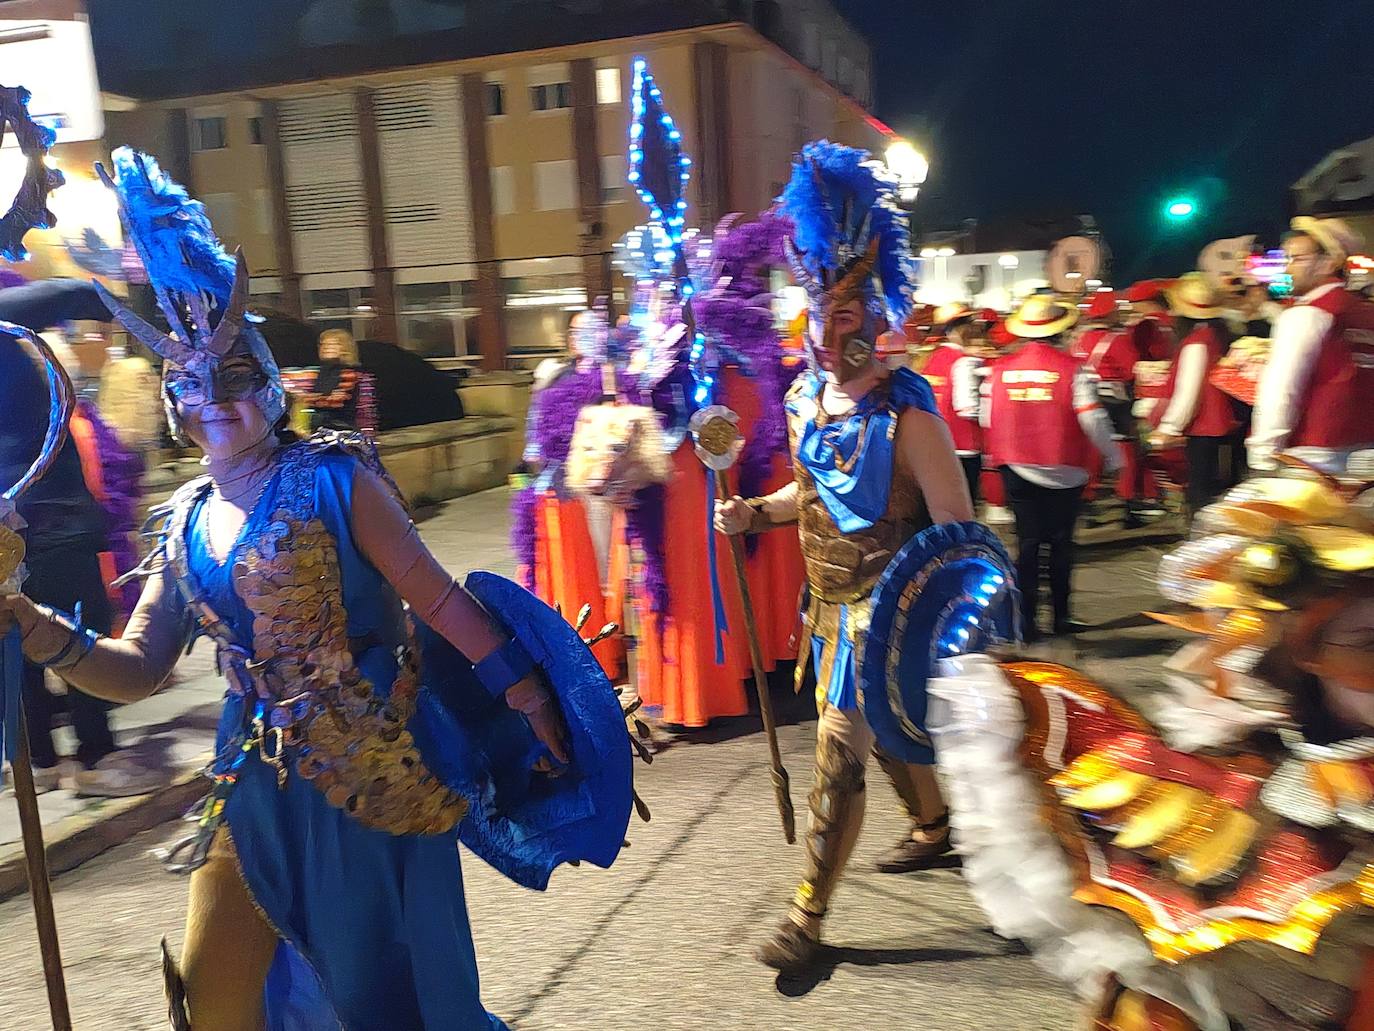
[(874, 465)]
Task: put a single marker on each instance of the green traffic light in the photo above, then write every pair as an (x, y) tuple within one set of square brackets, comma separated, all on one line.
[(1180, 208)]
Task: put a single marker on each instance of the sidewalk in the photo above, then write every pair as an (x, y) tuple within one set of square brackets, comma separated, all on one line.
[(175, 728)]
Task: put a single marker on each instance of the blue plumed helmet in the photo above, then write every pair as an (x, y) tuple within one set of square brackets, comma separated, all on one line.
[(843, 205)]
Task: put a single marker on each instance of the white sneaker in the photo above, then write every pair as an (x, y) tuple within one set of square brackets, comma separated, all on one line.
[(118, 775), (998, 516)]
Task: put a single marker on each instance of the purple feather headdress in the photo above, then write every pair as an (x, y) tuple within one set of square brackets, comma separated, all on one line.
[(735, 311), (840, 202), (553, 414)]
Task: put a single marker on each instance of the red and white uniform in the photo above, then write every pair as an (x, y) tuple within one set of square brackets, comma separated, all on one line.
[(1043, 419), (1316, 397), (953, 375), (1086, 343), (1191, 405)]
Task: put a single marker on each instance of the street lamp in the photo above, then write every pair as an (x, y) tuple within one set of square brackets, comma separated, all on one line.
[(910, 167)]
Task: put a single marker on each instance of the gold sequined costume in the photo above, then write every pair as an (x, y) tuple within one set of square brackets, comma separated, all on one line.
[(1212, 867)]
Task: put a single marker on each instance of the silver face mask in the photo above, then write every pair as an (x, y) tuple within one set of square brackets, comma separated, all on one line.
[(232, 362)]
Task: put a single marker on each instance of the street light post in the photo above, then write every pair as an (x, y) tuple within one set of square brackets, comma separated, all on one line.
[(910, 167)]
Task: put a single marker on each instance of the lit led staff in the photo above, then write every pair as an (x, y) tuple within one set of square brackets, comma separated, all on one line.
[(705, 337)]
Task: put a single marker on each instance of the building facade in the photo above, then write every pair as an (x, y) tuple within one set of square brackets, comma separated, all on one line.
[(466, 208)]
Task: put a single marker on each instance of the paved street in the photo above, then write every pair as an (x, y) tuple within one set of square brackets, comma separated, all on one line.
[(664, 939)]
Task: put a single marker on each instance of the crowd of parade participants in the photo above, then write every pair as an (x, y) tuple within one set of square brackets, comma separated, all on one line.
[(714, 498)]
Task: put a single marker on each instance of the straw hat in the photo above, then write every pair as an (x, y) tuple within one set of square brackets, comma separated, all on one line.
[(1194, 297), (1334, 236), (1042, 316), (948, 314)]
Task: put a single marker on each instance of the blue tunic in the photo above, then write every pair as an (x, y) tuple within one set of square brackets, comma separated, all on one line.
[(374, 925)]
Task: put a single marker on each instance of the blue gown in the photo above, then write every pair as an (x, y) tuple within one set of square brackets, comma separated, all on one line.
[(373, 924)]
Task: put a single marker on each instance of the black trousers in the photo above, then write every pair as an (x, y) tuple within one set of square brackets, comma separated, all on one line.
[(1045, 519), (61, 577), (1205, 475), (973, 472)]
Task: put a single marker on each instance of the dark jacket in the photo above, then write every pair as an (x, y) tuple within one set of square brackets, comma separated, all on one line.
[(58, 508)]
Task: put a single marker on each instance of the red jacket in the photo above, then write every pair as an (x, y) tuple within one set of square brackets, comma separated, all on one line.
[(1086, 343), (1153, 337), (939, 372), (1339, 409), (1032, 419), (1214, 416)]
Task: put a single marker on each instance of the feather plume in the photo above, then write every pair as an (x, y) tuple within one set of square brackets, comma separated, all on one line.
[(839, 199), (173, 234)]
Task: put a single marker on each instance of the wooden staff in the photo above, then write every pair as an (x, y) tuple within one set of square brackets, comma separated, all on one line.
[(26, 797), (712, 439), (40, 885)]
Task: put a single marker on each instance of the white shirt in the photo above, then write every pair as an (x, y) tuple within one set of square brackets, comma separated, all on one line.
[(1293, 353), (1092, 417), (963, 386), (1188, 384)]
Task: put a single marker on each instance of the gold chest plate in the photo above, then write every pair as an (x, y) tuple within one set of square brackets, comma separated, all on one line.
[(844, 567)]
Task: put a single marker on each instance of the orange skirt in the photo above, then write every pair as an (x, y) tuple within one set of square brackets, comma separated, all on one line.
[(676, 669), (566, 575)]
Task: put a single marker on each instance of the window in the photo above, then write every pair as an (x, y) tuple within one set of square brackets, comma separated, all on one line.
[(554, 186), (503, 190), (255, 131), (608, 85), (494, 99), (209, 134), (811, 45), (433, 318), (553, 96), (222, 209), (263, 217), (613, 172)]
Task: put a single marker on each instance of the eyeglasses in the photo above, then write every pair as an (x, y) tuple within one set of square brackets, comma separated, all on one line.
[(236, 382)]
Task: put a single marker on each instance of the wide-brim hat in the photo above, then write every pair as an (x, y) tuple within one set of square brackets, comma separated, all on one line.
[(1042, 317), (1335, 236), (1194, 297), (947, 315)]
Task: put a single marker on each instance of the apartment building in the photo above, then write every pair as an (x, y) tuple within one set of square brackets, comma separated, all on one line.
[(459, 190)]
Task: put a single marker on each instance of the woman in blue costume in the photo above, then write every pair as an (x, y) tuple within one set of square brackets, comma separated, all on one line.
[(326, 890)]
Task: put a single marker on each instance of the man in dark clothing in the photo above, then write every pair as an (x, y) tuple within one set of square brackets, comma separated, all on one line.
[(65, 535)]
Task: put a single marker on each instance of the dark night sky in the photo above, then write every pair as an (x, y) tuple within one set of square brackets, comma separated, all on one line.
[(1030, 107)]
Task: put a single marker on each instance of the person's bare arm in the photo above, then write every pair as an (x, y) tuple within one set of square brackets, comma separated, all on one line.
[(389, 540), (925, 448), (738, 516), (124, 670)]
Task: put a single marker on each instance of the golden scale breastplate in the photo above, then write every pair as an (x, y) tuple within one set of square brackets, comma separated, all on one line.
[(340, 732), (844, 567)]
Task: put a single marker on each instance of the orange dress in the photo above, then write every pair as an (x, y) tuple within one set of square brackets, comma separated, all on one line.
[(676, 670), (566, 575)]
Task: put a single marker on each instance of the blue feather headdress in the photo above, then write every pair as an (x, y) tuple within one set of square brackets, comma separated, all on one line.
[(201, 290), (843, 206)]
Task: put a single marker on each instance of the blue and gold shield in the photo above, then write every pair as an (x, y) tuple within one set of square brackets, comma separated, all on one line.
[(950, 591), (522, 822)]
